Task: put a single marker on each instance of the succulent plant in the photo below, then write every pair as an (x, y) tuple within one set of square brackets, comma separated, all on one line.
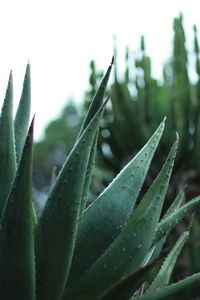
[(104, 251)]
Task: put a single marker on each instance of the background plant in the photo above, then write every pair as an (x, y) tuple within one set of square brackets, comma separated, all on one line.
[(139, 103)]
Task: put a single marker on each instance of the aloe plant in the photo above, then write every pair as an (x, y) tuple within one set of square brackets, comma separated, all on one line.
[(72, 252)]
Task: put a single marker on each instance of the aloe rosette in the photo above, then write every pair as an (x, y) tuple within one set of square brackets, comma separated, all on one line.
[(103, 251)]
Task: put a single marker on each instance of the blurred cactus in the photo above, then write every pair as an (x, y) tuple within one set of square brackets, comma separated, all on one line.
[(139, 103)]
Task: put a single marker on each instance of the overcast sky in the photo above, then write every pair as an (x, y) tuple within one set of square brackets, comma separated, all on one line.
[(59, 38)]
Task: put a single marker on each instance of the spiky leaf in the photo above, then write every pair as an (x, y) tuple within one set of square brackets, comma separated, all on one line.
[(94, 106), (164, 227), (97, 101), (7, 146), (113, 210), (129, 249), (57, 227), (186, 289), (17, 262), (127, 285), (164, 275), (157, 247)]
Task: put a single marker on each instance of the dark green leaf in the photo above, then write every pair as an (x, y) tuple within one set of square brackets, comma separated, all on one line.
[(57, 227), (17, 261), (127, 285), (97, 101), (7, 146), (88, 175), (95, 104)]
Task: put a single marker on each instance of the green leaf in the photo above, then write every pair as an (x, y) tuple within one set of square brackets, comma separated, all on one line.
[(94, 106), (186, 289), (126, 286), (114, 207), (127, 252), (175, 204), (97, 101), (164, 275), (88, 175), (194, 246), (22, 115), (156, 248), (165, 226), (7, 146), (57, 227), (17, 262)]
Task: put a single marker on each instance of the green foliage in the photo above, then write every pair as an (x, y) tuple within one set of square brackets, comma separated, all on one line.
[(95, 253), (7, 146), (139, 103), (17, 259)]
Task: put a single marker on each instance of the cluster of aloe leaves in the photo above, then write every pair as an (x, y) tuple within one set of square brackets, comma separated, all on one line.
[(104, 251)]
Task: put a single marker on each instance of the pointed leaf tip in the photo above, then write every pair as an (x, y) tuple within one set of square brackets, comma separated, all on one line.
[(28, 67), (29, 139), (113, 60), (10, 81), (32, 123), (165, 118), (11, 75)]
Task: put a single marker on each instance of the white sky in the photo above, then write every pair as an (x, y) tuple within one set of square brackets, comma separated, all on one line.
[(59, 38)]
